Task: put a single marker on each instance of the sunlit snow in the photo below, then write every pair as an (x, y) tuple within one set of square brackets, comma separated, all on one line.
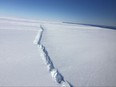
[(79, 55)]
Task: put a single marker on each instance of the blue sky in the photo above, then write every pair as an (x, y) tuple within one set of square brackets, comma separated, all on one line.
[(101, 12)]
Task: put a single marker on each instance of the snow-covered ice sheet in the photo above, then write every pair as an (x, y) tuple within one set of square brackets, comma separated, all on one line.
[(85, 55), (55, 74), (20, 61)]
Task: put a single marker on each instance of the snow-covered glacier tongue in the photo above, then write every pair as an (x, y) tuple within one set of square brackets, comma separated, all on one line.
[(55, 74)]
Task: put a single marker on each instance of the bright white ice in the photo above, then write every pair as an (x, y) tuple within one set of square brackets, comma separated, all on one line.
[(83, 55)]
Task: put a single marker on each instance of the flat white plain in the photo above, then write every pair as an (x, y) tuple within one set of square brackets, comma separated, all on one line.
[(84, 55)]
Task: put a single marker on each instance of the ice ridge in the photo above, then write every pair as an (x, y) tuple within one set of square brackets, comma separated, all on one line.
[(55, 74)]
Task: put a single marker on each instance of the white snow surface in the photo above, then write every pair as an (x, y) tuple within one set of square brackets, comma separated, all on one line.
[(86, 56), (55, 74), (20, 61), (83, 55)]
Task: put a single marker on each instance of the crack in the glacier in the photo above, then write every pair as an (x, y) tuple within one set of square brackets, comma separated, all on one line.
[(56, 75), (39, 36)]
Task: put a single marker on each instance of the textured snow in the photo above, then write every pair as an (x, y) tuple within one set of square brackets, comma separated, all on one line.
[(48, 61), (20, 61), (82, 55), (85, 55)]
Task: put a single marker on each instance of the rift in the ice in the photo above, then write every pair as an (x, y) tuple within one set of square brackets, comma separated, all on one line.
[(56, 75), (54, 72)]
